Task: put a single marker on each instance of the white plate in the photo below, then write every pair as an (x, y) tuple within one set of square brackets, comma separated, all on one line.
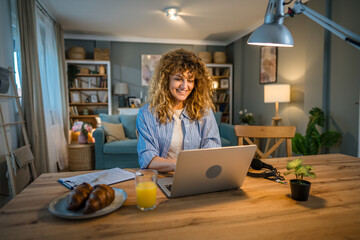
[(58, 206)]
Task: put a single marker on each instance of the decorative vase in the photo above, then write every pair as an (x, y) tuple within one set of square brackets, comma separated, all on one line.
[(300, 190), (83, 139)]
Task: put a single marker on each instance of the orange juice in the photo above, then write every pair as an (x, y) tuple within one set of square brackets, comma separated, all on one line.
[(146, 195)]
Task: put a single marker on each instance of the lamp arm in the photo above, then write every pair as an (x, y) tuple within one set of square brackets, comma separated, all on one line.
[(326, 23)]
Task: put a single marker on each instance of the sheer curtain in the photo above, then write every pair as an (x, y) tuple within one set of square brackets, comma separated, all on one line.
[(51, 90)]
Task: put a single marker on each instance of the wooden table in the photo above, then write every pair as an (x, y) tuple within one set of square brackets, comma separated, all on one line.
[(261, 209)]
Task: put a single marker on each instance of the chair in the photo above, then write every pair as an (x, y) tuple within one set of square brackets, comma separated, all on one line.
[(279, 133)]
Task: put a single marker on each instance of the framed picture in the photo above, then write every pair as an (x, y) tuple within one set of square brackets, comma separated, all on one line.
[(93, 98), (135, 102), (148, 64), (224, 83), (75, 97), (268, 65)]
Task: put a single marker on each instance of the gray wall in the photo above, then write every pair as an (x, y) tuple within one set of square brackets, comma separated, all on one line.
[(302, 67), (6, 60)]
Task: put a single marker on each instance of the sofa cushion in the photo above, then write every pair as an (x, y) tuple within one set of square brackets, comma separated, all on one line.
[(109, 118), (225, 142), (218, 117), (113, 132), (129, 123), (126, 146)]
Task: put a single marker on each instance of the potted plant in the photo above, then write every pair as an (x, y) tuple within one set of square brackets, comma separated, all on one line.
[(300, 188), (310, 143), (71, 72), (246, 118)]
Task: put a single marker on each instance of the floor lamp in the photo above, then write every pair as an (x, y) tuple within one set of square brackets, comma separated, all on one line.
[(276, 93), (121, 89)]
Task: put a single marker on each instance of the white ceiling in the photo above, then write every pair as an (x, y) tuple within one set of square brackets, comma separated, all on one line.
[(216, 22)]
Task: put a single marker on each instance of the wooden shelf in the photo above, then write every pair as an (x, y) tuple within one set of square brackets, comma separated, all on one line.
[(220, 77), (88, 89), (88, 104), (84, 116), (91, 75)]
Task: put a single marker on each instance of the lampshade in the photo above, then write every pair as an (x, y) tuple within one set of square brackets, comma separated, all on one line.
[(271, 35), (121, 89), (276, 93), (272, 32)]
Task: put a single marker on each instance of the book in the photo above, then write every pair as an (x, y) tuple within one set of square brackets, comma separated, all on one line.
[(108, 177)]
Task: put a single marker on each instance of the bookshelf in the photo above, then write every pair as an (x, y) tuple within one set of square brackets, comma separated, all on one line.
[(89, 90), (223, 82)]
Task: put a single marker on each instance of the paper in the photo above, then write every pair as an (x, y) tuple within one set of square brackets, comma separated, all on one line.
[(110, 176)]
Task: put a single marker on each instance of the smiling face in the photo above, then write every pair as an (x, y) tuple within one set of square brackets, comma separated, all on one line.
[(180, 86)]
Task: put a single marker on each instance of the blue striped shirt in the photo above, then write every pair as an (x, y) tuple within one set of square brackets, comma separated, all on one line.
[(155, 137)]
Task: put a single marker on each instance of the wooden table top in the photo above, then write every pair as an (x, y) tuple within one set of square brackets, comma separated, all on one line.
[(261, 209)]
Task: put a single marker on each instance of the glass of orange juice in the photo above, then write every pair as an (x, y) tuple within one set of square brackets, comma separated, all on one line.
[(145, 184)]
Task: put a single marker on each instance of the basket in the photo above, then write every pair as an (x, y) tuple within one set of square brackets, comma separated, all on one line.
[(76, 53), (81, 157)]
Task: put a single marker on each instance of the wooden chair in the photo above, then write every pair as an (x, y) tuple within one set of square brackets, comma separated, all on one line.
[(279, 133)]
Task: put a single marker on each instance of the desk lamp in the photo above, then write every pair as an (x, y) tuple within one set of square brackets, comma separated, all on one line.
[(121, 89), (275, 93), (274, 33)]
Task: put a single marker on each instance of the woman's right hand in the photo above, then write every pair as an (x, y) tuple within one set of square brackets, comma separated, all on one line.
[(162, 164)]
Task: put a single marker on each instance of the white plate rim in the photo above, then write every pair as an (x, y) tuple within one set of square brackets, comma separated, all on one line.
[(57, 206)]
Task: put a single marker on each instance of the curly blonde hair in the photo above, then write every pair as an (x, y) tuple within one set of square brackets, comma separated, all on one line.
[(198, 103)]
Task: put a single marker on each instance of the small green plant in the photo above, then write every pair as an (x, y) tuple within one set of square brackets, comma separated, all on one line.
[(71, 72), (312, 141), (246, 118), (296, 167)]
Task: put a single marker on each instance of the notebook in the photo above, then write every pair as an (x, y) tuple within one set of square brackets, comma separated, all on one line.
[(208, 170)]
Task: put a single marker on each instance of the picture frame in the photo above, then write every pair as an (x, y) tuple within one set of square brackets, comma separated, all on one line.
[(148, 64), (135, 102), (94, 98), (224, 83), (75, 97), (268, 65)]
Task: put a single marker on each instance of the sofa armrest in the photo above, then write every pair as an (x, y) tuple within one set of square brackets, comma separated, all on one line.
[(228, 131), (99, 136)]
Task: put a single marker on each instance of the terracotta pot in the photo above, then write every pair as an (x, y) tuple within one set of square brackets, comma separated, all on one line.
[(300, 190), (83, 139)]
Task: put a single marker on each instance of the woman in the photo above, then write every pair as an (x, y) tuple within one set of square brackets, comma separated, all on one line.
[(179, 113)]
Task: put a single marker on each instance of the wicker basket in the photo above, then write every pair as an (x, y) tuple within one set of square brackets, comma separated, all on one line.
[(81, 157)]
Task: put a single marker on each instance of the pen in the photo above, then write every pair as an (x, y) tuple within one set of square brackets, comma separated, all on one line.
[(99, 177)]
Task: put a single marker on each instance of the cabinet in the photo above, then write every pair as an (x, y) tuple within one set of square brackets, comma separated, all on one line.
[(223, 83), (89, 87)]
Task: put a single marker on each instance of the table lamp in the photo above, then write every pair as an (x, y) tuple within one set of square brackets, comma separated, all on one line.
[(121, 89), (275, 93)]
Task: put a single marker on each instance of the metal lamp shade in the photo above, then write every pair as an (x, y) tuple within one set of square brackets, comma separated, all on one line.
[(271, 35)]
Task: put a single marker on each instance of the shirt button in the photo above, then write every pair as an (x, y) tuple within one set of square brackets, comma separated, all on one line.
[(187, 141), (187, 125)]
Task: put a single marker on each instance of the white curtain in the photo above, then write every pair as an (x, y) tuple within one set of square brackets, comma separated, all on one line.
[(51, 89)]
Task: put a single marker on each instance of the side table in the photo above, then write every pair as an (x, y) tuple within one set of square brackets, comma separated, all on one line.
[(81, 157)]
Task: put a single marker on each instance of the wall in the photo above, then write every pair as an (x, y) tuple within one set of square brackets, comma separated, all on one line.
[(126, 60), (303, 67), (6, 59)]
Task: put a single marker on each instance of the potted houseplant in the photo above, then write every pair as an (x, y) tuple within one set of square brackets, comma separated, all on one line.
[(71, 72), (300, 188), (246, 118), (310, 143)]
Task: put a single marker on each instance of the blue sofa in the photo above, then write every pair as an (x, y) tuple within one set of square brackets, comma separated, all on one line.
[(123, 154)]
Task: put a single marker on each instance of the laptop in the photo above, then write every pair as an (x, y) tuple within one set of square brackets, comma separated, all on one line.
[(208, 170)]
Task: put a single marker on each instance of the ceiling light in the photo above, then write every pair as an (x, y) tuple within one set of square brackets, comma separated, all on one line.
[(171, 12)]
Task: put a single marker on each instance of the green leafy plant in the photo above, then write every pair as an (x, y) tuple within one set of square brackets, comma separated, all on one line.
[(296, 167), (246, 118), (71, 72), (312, 141)]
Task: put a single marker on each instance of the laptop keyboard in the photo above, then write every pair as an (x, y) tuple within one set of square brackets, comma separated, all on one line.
[(168, 186)]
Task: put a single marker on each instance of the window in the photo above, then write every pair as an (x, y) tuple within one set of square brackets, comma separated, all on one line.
[(16, 46)]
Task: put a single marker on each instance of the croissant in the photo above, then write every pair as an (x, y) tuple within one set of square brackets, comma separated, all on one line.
[(102, 196), (78, 196)]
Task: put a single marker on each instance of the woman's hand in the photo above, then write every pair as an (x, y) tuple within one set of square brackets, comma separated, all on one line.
[(162, 164)]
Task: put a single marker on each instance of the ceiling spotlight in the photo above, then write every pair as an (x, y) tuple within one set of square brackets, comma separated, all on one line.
[(171, 12)]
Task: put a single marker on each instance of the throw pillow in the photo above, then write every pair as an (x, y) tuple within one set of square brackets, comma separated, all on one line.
[(129, 122), (109, 118), (113, 132)]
